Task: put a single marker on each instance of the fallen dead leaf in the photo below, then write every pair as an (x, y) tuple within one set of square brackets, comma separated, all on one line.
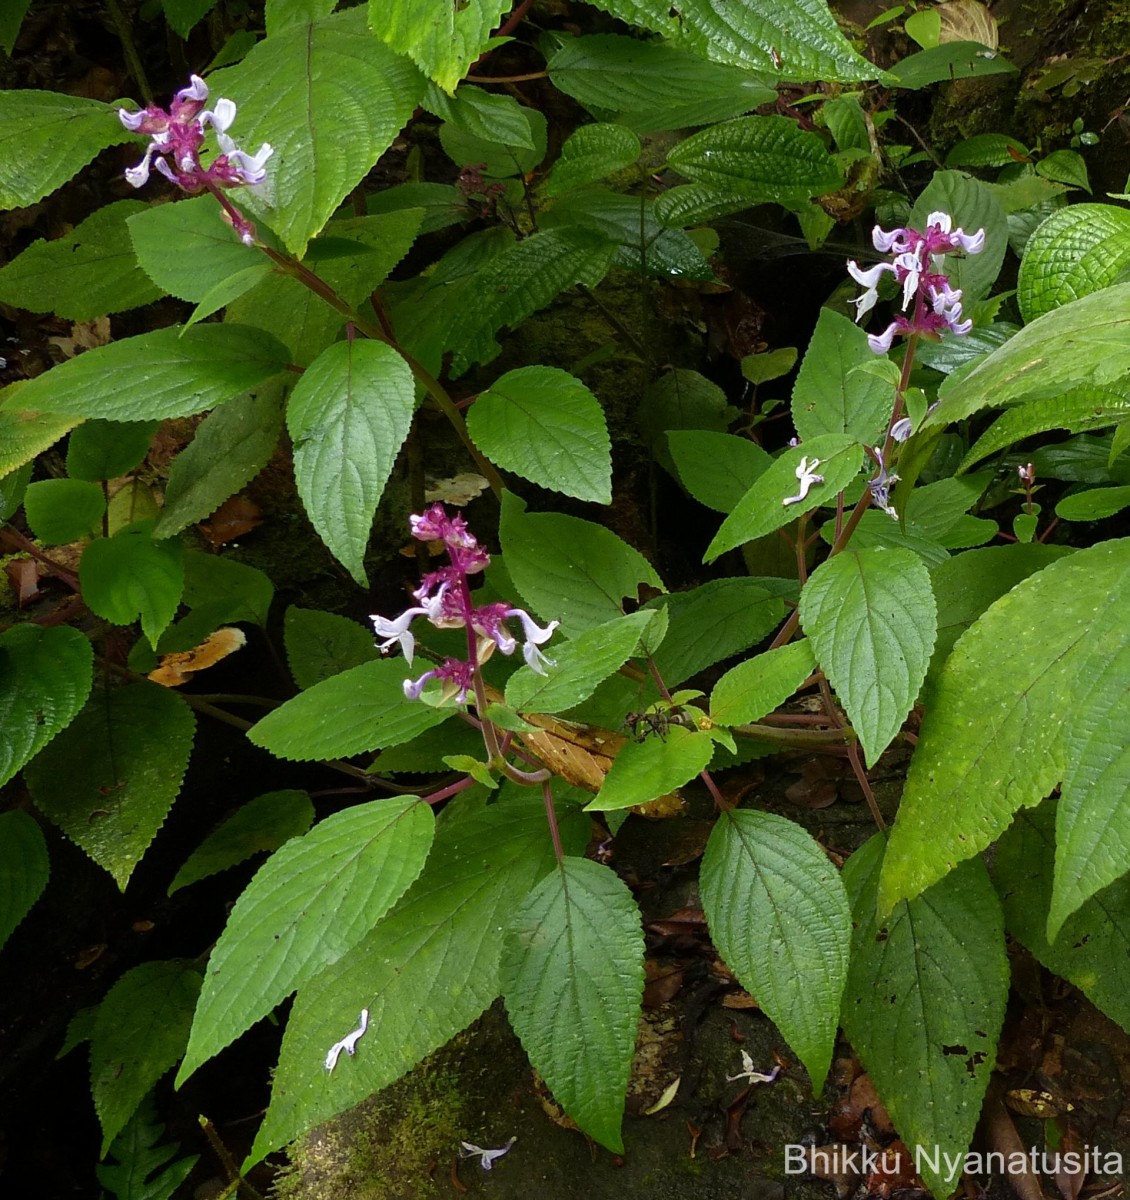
[(235, 517), (179, 667)]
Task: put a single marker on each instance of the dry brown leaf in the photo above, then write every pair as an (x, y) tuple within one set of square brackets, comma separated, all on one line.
[(459, 490), (23, 575), (967, 21), (235, 517), (178, 668), (85, 335)]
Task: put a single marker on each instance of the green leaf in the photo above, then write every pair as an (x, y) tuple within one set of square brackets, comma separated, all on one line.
[(229, 448), (754, 160), (767, 365), (543, 424), (986, 150), (523, 278), (573, 960), (133, 1178), (950, 60), (63, 510), (712, 622), (496, 158), (486, 115), (442, 38), (876, 531), (569, 569), (85, 274), (231, 590), (1085, 343), (11, 18), (330, 99), (380, 241), (25, 434), (352, 408), (924, 1003), (46, 138), (108, 780), (1065, 166), (227, 291), (187, 248), (589, 154), (139, 1033), (972, 206), (182, 16), (361, 709), (829, 395), (1076, 410), (756, 687), (779, 916), (320, 644), (871, 617), (282, 14), (441, 203), (762, 509), (651, 85), (45, 677), (425, 972), (262, 824), (578, 667), (130, 575), (993, 739), (716, 468), (1093, 505), (1092, 949), (99, 450), (642, 771), (301, 320), (158, 374), (24, 866), (307, 906), (1076, 251), (681, 399)]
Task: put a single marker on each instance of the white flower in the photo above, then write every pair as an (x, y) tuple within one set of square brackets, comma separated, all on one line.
[(748, 1072), (347, 1043), (806, 473), (486, 1157)]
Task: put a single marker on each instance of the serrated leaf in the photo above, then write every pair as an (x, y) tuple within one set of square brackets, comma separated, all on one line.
[(132, 1177), (45, 677), (281, 306), (972, 206), (876, 531), (762, 509), (523, 278), (482, 114), (652, 85), (425, 972), (568, 569), (573, 959), (756, 687), (330, 98), (1076, 251), (441, 203), (1092, 949), (380, 241), (871, 617), (352, 407), (187, 248), (1085, 343), (85, 274), (716, 468), (24, 865), (307, 906), (643, 771), (361, 709), (281, 14), (681, 399), (99, 450), (760, 159), (182, 16), (924, 1003), (829, 395), (993, 739), (229, 590), (1065, 166), (321, 644), (25, 434), (987, 150), (712, 622), (47, 138), (589, 154), (779, 916), (229, 448), (579, 666), (108, 780), (495, 158), (227, 291), (63, 510), (139, 1033), (442, 38), (158, 374), (262, 824), (130, 575), (1075, 410), (543, 424)]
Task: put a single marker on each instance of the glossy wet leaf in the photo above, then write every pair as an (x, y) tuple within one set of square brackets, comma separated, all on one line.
[(779, 916), (24, 869), (109, 779), (441, 37), (307, 906)]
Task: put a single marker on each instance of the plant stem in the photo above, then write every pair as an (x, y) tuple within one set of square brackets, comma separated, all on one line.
[(551, 817), (133, 59)]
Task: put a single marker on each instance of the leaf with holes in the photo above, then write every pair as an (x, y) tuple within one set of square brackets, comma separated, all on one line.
[(872, 620), (573, 960), (109, 779), (779, 916)]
